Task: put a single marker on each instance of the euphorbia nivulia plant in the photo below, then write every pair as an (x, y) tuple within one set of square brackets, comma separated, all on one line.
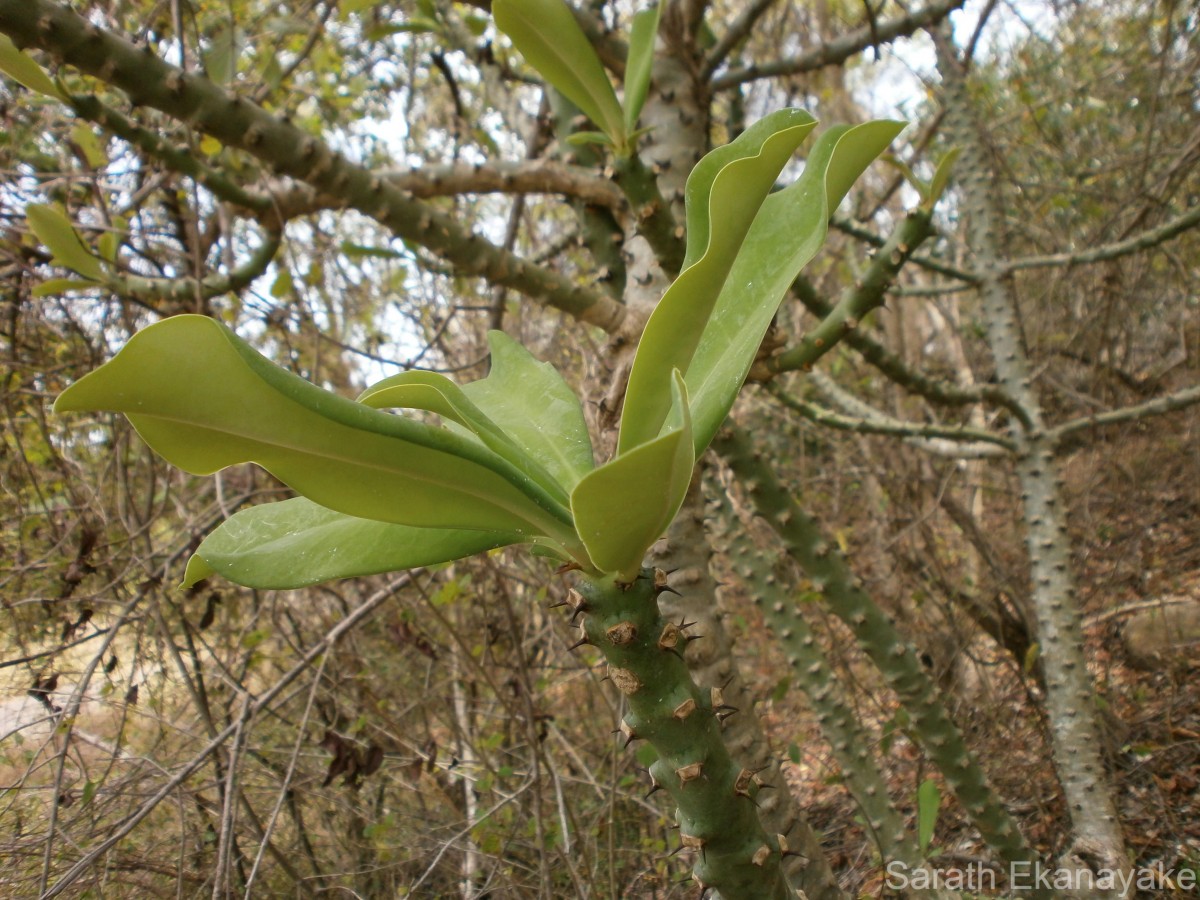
[(512, 461)]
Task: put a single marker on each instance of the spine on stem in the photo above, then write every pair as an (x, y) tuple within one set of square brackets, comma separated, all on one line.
[(714, 796)]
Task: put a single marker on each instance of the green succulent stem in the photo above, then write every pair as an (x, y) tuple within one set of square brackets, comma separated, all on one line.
[(832, 578), (887, 362), (154, 291), (867, 294), (771, 586), (655, 219), (714, 797)]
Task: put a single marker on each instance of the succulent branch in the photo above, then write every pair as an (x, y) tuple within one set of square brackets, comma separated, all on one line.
[(1180, 399), (866, 295), (771, 587), (653, 213), (831, 53), (932, 264), (1075, 738), (686, 553), (155, 291), (535, 176), (932, 389), (875, 422), (717, 818), (182, 161), (737, 32), (897, 662), (1143, 241)]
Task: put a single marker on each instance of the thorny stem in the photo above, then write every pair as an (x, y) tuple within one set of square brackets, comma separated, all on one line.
[(715, 804)]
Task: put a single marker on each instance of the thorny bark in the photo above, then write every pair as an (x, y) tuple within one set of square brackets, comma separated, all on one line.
[(685, 553), (1075, 729)]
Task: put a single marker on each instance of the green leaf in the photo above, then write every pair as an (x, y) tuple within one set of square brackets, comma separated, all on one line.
[(536, 408), (90, 145), (523, 411), (359, 251), (929, 798), (908, 174), (438, 394), (941, 176), (346, 7), (205, 399), (55, 231), (52, 286), (108, 245), (782, 686), (723, 195), (22, 69), (272, 73), (477, 25), (547, 35), (582, 138), (1032, 654), (221, 56), (283, 285), (640, 62), (625, 505), (789, 228), (295, 543)]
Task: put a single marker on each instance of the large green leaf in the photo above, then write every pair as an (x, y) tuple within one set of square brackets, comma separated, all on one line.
[(55, 231), (295, 543), (724, 193), (547, 35), (536, 408), (437, 393), (625, 505), (523, 410), (205, 399), (787, 231), (639, 64)]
